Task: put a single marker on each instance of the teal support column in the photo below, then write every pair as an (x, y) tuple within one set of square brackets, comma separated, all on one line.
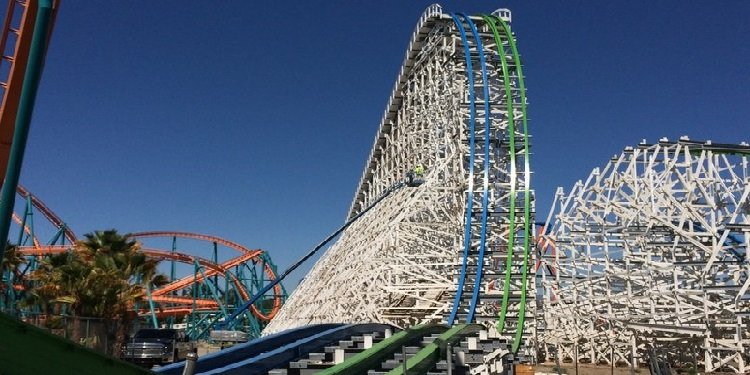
[(212, 289), (226, 288), (172, 276), (28, 214), (216, 260), (172, 270), (23, 120), (151, 307), (195, 295)]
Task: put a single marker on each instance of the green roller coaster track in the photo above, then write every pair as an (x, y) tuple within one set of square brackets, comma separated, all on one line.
[(371, 358), (420, 363), (426, 358), (492, 22)]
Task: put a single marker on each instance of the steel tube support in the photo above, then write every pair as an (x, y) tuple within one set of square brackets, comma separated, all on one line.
[(190, 362), (23, 120)]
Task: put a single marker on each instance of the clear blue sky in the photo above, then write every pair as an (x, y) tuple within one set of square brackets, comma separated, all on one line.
[(253, 120)]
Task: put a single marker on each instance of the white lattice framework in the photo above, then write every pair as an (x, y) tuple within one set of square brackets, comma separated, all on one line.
[(650, 253), (400, 263)]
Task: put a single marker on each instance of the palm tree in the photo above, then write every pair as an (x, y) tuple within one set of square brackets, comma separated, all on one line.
[(53, 285), (119, 277), (12, 258), (9, 269), (104, 276)]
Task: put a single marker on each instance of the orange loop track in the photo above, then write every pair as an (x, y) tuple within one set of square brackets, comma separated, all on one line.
[(186, 301), (211, 268), (187, 280), (254, 256), (176, 311), (48, 214), (162, 294), (196, 236)]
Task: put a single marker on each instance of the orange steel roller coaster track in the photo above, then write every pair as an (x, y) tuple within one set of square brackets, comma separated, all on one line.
[(247, 255), (161, 294), (48, 214), (16, 35)]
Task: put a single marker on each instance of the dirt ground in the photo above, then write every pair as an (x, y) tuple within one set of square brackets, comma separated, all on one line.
[(586, 369)]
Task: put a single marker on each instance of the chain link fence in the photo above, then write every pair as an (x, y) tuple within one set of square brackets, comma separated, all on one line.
[(94, 333)]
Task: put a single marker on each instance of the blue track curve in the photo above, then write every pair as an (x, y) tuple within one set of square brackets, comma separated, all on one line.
[(470, 192), (485, 193), (274, 351), (246, 350)]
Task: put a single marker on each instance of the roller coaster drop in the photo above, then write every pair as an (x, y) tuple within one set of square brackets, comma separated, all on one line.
[(647, 258), (457, 248), (649, 255)]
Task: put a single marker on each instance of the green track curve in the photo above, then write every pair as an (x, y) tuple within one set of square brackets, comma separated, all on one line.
[(492, 22), (371, 358), (426, 358), (511, 129)]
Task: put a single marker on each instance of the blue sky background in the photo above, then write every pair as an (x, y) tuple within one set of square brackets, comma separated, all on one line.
[(253, 120)]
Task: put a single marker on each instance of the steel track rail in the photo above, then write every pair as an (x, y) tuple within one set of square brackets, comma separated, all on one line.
[(29, 56), (428, 357), (48, 213), (196, 236), (371, 358), (247, 350), (251, 254), (527, 191), (214, 268), (485, 187), (282, 354), (470, 188), (512, 149)]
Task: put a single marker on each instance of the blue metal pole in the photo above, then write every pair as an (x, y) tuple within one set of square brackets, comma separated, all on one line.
[(229, 322)]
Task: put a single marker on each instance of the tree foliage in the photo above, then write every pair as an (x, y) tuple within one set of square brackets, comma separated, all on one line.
[(102, 276), (12, 259)]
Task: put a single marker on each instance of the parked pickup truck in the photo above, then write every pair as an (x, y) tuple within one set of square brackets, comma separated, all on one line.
[(157, 346)]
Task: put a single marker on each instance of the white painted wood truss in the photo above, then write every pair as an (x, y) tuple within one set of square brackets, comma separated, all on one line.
[(400, 263), (651, 253)]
